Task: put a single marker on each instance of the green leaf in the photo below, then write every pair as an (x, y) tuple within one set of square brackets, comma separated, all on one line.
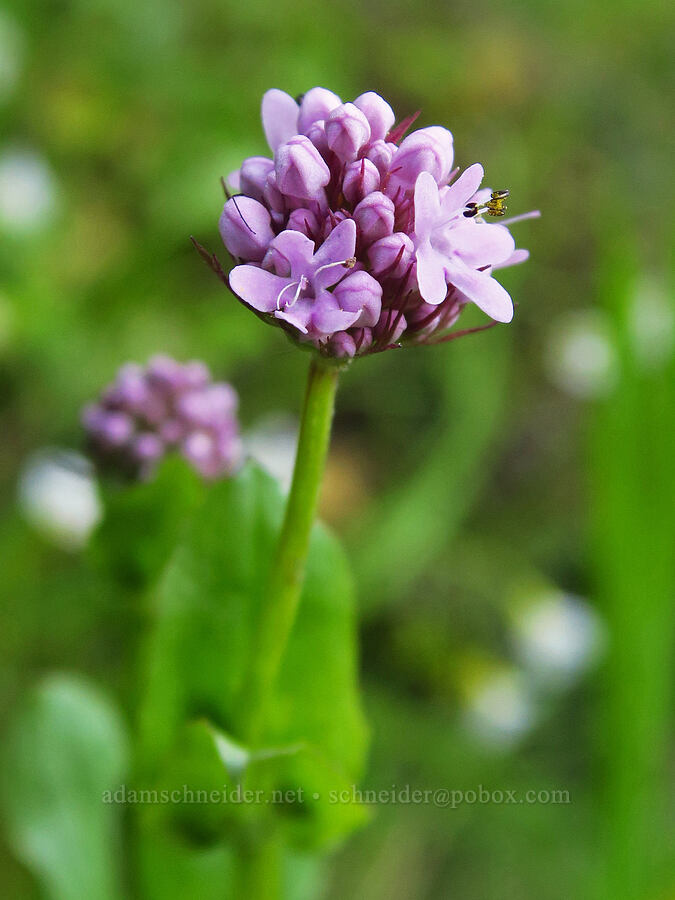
[(66, 749), (197, 661), (144, 521)]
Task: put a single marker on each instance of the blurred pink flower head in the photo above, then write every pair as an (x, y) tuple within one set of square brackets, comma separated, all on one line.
[(357, 238), (149, 411)]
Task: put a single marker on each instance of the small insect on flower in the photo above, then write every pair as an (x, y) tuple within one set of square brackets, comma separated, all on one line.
[(495, 206)]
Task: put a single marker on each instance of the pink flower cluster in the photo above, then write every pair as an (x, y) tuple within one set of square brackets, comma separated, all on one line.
[(356, 238), (151, 410)]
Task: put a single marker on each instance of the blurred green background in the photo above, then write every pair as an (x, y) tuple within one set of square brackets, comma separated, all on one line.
[(507, 501)]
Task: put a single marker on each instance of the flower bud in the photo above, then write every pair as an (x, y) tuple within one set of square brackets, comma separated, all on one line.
[(253, 176), (207, 406), (130, 390), (273, 199), (162, 371), (114, 429), (316, 105), (390, 318), (317, 135), (360, 291), (300, 169), (199, 448), (147, 447), (424, 319), (374, 217), (279, 113), (361, 178), (426, 150), (305, 221), (195, 374), (381, 154), (380, 115), (391, 255), (245, 228), (342, 345), (347, 130), (363, 338), (332, 221), (345, 344)]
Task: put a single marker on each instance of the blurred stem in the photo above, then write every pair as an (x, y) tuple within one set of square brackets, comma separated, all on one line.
[(632, 534), (258, 874), (280, 601)]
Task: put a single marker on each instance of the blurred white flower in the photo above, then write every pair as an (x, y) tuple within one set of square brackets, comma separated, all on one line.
[(11, 54), (272, 442), (27, 191), (557, 638), (581, 358), (652, 323), (59, 497), (500, 707)]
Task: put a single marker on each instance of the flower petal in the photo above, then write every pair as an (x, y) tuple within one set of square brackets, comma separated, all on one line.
[(458, 194), (481, 289), (279, 117), (328, 318), (318, 317), (427, 204), (317, 104), (296, 248), (431, 274), (298, 315), (481, 244), (339, 246), (360, 293), (481, 196), (518, 256), (258, 288)]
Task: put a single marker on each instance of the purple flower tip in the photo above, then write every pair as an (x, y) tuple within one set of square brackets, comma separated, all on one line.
[(347, 130), (245, 227), (300, 169)]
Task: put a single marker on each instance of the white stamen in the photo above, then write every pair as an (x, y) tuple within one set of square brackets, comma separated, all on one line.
[(347, 263), (283, 291), (302, 284)]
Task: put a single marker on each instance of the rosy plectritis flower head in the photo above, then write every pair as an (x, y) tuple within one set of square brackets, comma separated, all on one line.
[(355, 238), (151, 410)]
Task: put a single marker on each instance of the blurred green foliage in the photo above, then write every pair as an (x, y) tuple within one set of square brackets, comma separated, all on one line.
[(67, 747), (462, 476)]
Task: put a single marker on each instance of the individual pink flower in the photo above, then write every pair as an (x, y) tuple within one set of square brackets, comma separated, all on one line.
[(451, 249), (301, 297)]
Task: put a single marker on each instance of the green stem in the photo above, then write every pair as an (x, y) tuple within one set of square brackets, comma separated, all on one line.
[(280, 601), (258, 874)]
